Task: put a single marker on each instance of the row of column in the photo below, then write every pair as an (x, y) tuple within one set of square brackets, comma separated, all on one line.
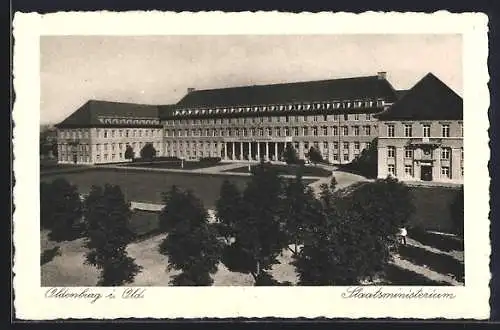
[(236, 150)]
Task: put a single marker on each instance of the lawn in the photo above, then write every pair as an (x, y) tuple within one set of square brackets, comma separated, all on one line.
[(144, 186), (147, 186), (438, 262), (291, 170), (432, 206)]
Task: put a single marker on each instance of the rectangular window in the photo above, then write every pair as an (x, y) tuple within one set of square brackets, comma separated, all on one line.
[(445, 153), (368, 116), (335, 145), (390, 130), (408, 130), (305, 118), (445, 130), (408, 153), (305, 131), (356, 145), (346, 146), (287, 131), (445, 172), (368, 130), (409, 170), (335, 157), (426, 128), (287, 119), (335, 130), (346, 116), (325, 130), (345, 130), (391, 169), (315, 131), (325, 118), (296, 131), (335, 117), (356, 130), (346, 157), (325, 145), (356, 116), (391, 152)]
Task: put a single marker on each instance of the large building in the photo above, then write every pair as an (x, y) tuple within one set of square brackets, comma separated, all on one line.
[(257, 122), (99, 132), (421, 135), (339, 117)]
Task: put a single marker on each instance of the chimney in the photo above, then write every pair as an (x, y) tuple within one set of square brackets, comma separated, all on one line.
[(381, 75), (190, 89)]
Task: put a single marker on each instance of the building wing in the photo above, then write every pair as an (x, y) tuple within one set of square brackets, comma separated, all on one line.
[(95, 113), (429, 99)]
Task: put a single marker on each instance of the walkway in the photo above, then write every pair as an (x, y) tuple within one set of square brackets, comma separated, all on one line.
[(218, 168), (344, 179)]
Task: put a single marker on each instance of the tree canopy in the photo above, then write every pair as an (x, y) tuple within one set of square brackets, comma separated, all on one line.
[(60, 209), (290, 154), (191, 244), (350, 243), (107, 217), (129, 152), (252, 223), (148, 152), (314, 155), (366, 163)]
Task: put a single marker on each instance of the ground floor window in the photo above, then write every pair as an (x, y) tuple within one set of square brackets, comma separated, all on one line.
[(335, 156), (445, 172), (391, 169), (346, 157), (409, 170)]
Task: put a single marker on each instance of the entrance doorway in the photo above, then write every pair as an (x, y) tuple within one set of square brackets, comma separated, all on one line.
[(426, 173)]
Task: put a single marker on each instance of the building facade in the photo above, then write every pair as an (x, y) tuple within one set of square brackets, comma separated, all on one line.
[(257, 122), (419, 132), (421, 135), (99, 132)]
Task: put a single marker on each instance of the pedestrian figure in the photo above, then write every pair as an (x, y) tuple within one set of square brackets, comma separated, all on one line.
[(402, 235)]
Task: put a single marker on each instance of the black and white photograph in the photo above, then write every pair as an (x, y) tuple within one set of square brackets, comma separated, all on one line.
[(245, 160)]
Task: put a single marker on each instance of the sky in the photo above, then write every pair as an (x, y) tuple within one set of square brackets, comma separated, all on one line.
[(160, 69)]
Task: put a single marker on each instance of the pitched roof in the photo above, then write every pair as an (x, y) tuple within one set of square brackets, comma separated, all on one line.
[(310, 91), (88, 114), (429, 99), (400, 93)]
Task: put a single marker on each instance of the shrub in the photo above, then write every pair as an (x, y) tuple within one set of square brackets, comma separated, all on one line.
[(49, 254)]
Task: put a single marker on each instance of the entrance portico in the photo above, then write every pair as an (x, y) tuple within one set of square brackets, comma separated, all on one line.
[(254, 150)]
